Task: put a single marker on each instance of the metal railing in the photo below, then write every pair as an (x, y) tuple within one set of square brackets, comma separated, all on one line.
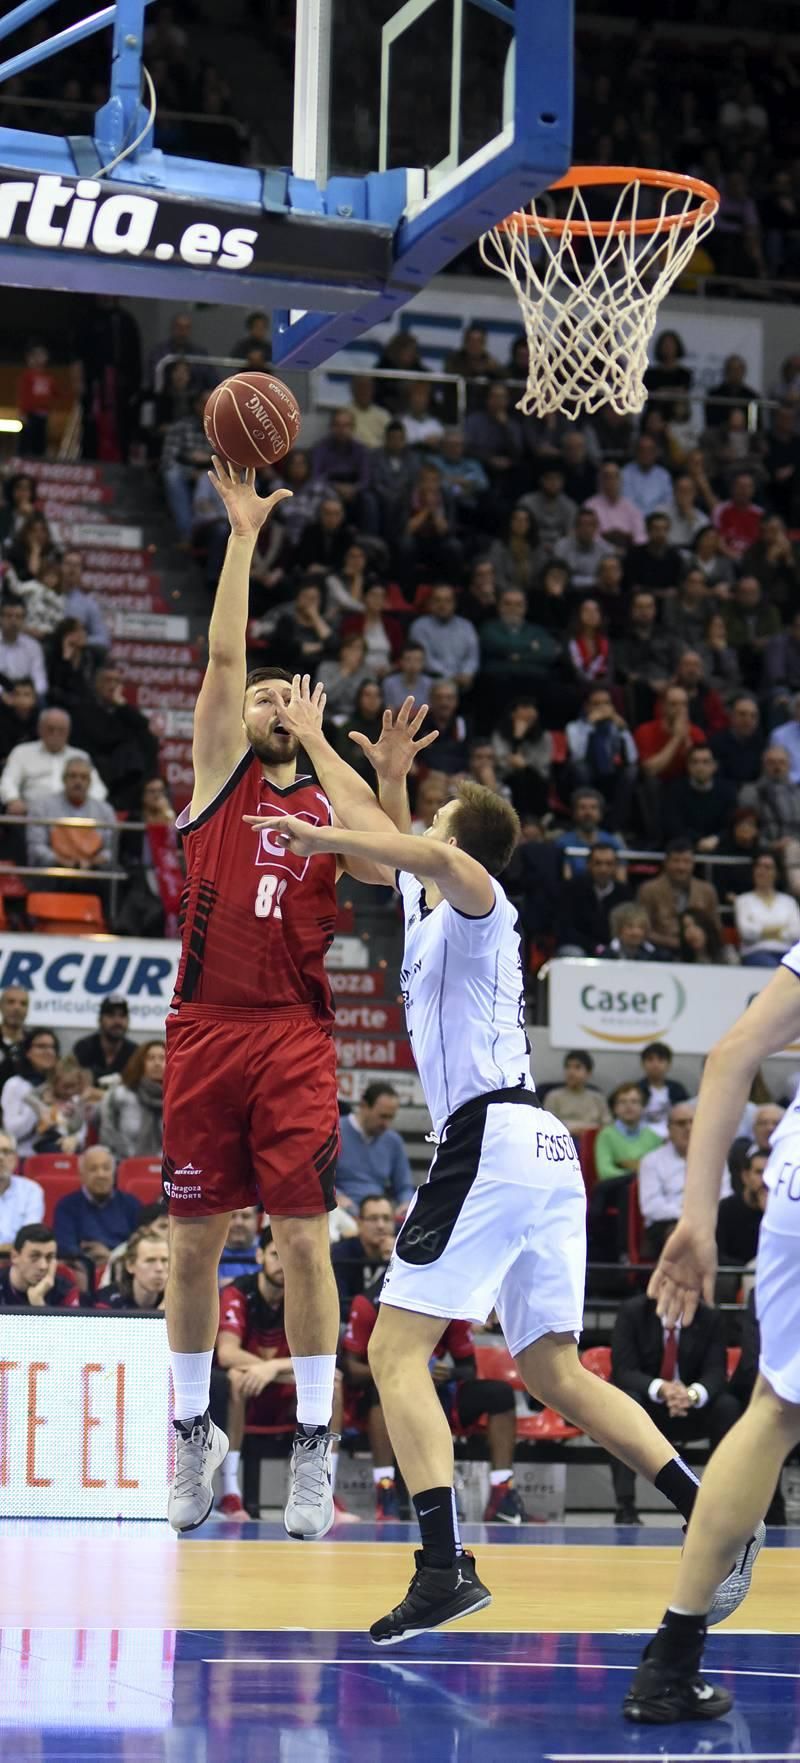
[(113, 877)]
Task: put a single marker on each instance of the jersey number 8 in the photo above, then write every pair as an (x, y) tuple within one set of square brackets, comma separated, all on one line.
[(268, 897)]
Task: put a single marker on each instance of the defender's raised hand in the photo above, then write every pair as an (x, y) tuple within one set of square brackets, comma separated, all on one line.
[(301, 710), (393, 754), (246, 510)]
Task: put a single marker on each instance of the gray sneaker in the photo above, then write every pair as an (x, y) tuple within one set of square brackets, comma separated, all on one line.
[(309, 1510), (200, 1447), (733, 1590)]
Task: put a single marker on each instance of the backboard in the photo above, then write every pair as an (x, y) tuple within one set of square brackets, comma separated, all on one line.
[(417, 125)]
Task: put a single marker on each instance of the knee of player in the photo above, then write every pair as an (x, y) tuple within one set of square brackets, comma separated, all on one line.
[(302, 1250), (382, 1358)]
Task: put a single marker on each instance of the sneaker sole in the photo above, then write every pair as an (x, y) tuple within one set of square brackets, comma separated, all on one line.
[(182, 1530), (393, 1640), (753, 1552), (641, 1714), (303, 1536)]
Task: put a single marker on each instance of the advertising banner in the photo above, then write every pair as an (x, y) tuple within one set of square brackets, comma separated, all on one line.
[(84, 1415), (604, 1004)]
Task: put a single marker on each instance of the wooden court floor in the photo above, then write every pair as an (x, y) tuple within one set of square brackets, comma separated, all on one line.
[(140, 1575)]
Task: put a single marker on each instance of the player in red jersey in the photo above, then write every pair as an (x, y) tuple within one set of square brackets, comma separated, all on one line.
[(250, 1101)]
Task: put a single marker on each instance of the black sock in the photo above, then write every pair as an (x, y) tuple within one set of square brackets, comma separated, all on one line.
[(679, 1643), (438, 1526), (679, 1486)]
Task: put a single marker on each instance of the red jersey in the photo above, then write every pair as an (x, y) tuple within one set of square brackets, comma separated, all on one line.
[(457, 1339), (256, 921), (258, 1326), (650, 737), (36, 389)]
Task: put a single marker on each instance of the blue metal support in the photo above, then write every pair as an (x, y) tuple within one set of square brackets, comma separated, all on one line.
[(124, 117), (75, 33), (22, 15)]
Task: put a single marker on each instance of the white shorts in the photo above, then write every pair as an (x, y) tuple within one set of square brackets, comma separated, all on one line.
[(778, 1271), (499, 1224)]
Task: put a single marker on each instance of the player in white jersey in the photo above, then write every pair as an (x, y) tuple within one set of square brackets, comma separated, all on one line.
[(500, 1221), (743, 1473)]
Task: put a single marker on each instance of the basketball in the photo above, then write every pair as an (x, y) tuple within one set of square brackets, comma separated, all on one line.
[(252, 419)]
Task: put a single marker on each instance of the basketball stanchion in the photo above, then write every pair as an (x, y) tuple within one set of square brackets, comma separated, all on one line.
[(589, 287)]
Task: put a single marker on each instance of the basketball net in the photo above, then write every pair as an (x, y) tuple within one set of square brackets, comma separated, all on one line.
[(589, 290)]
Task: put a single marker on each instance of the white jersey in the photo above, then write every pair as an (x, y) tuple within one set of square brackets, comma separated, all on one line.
[(464, 996)]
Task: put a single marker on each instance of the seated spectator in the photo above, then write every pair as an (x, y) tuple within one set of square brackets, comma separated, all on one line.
[(143, 1277), (494, 436), (465, 1399), (356, 1260), (687, 615), (432, 793), (773, 561), (718, 660), (513, 649), (738, 749), (548, 604), (620, 1147), (587, 807), (588, 648), (367, 720), (686, 520), (482, 769), (518, 558), (381, 631), (732, 385), (448, 753), (580, 456), (472, 359), (180, 341), (184, 454), (787, 735), (31, 1278), (324, 541), (674, 891), (255, 334), (740, 1213), (523, 753), (409, 679), (302, 636), (644, 481), (40, 1050), (341, 462), (70, 665), (71, 847), (587, 901), (343, 678), (402, 355), (44, 606), (767, 920), (645, 658), (295, 516), (14, 1006), (462, 475), (106, 1053), (393, 470), (239, 1252), (479, 601), (738, 521), (576, 1102), (119, 738), (706, 709), (781, 676), (373, 1158), (19, 714), (36, 768), (775, 802), (699, 804), (731, 448), (657, 565), (369, 419), (717, 568), (662, 1179), (742, 841), (752, 626), (631, 936), (97, 1217), (620, 520), (660, 1092), (64, 1107), (21, 656), (252, 1349), (77, 602), (533, 881), (664, 745), (677, 1375), (701, 944), (21, 1200), (553, 512), (668, 374), (429, 547), (131, 1111), (450, 642), (346, 590), (30, 543), (583, 550)]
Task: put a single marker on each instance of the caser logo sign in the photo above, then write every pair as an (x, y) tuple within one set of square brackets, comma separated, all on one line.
[(81, 215), (623, 1016)]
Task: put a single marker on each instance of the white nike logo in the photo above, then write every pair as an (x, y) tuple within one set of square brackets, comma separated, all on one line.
[(705, 1693), (428, 1511)]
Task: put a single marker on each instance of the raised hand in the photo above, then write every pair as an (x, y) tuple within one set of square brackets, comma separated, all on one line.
[(293, 835), (302, 711), (393, 754), (246, 510), (686, 1272)]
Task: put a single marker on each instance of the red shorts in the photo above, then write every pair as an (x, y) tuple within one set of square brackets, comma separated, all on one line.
[(251, 1115)]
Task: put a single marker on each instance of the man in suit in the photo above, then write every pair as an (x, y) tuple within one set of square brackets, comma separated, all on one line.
[(678, 1376), (587, 903)]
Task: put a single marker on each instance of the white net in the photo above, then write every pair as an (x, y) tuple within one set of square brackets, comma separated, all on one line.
[(589, 293)]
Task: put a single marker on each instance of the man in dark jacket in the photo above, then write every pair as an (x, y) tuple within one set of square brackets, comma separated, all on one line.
[(119, 739), (739, 747), (31, 1279), (677, 1375), (587, 903)]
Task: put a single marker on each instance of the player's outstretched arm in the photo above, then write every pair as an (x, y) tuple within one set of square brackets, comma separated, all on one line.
[(462, 881), (393, 755), (687, 1266), (219, 737)]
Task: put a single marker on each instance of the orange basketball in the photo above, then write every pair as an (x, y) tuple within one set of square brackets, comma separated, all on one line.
[(252, 419)]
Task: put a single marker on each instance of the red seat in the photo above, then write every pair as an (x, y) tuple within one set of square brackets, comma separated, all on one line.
[(586, 1145), (545, 1427), (497, 1362), (733, 1355), (63, 914), (141, 1176), (598, 1360), (56, 1173)]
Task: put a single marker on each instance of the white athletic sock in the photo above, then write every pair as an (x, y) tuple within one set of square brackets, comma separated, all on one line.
[(386, 1474), (191, 1381), (498, 1475), (230, 1473), (314, 1376)]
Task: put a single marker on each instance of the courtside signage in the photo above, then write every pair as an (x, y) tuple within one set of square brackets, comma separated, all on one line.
[(84, 1416), (625, 1004)]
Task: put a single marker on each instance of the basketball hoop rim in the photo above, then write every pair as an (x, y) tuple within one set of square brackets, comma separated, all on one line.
[(553, 226)]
